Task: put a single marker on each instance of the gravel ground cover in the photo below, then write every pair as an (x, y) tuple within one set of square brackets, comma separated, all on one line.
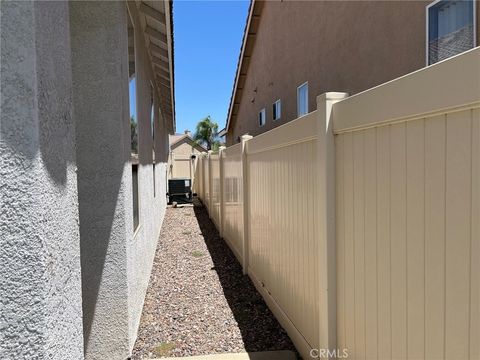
[(198, 302)]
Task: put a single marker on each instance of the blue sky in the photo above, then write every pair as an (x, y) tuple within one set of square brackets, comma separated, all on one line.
[(131, 91), (208, 36)]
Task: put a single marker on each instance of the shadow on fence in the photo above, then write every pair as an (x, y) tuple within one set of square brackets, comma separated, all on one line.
[(259, 328)]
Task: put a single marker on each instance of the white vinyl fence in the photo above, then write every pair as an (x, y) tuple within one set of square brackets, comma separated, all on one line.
[(359, 222)]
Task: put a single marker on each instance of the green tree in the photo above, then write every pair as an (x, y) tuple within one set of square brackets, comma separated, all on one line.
[(206, 134), (133, 135)]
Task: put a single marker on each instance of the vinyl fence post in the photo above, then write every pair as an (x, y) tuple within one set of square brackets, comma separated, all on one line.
[(326, 221), (204, 180), (246, 204), (201, 175), (210, 185), (221, 154)]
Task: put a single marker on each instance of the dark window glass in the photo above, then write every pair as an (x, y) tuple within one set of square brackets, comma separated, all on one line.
[(450, 29), (135, 196)]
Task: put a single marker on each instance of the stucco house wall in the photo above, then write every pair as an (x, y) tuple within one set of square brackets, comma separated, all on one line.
[(73, 271), (116, 258), (40, 279), (346, 46), (100, 92), (152, 196), (180, 163)]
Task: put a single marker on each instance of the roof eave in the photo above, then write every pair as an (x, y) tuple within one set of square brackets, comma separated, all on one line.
[(240, 62)]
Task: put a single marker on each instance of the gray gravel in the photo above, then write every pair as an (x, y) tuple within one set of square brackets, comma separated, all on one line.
[(198, 302)]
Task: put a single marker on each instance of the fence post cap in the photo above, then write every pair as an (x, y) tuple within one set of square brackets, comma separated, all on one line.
[(221, 148), (332, 95), (246, 137)]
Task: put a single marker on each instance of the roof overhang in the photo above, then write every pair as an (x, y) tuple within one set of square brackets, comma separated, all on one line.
[(157, 25), (249, 36)]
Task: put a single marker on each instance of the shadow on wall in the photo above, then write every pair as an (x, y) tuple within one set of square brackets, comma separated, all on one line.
[(36, 98), (97, 230), (99, 99), (259, 328)]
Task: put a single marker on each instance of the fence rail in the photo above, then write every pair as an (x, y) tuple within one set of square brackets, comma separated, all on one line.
[(359, 223)]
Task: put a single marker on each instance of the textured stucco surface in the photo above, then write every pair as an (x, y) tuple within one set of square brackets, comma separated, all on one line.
[(115, 264), (40, 285), (141, 248), (97, 38)]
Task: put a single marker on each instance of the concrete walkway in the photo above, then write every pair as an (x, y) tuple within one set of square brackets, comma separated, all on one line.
[(199, 302), (263, 355)]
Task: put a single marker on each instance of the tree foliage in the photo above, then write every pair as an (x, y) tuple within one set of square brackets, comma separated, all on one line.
[(206, 134), (133, 135)]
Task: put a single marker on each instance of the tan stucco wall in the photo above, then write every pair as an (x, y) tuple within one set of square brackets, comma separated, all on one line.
[(336, 46), (179, 161)]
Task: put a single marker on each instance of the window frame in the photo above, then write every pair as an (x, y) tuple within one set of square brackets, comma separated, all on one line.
[(134, 78), (152, 129), (279, 102), (135, 168), (152, 114), (427, 24), (298, 99), (262, 112)]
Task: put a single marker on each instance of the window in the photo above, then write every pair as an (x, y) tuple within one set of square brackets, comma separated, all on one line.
[(132, 89), (261, 117), (450, 29), (136, 216), (277, 110), (302, 99), (152, 117), (152, 128), (132, 93)]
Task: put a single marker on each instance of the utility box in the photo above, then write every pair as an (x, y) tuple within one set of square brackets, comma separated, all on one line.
[(179, 190)]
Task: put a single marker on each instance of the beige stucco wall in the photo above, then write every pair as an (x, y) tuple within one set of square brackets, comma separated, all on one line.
[(180, 164), (346, 46)]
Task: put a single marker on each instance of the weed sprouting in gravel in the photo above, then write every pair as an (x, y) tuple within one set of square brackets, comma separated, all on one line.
[(164, 349), (197, 253)]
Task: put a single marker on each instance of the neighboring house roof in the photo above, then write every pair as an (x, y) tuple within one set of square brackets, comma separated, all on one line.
[(251, 27), (178, 139)]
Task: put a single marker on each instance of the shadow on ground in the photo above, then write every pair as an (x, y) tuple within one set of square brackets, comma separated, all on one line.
[(259, 328)]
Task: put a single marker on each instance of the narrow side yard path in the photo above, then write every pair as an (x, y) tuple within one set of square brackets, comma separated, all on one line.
[(198, 302)]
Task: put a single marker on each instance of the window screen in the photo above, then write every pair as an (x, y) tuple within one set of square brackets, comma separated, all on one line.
[(277, 110), (450, 29), (302, 99), (261, 117)]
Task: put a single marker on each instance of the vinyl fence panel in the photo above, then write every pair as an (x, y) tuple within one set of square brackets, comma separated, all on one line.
[(282, 240), (359, 223), (215, 187), (233, 198), (407, 213)]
